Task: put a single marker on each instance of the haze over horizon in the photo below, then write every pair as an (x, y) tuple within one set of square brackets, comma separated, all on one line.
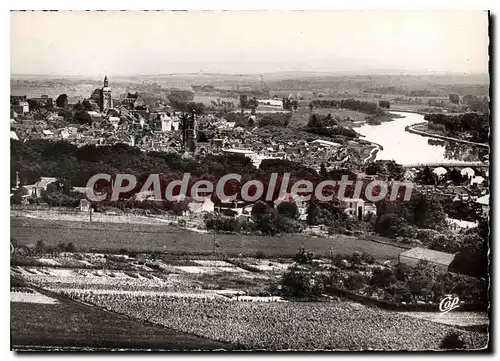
[(248, 42)]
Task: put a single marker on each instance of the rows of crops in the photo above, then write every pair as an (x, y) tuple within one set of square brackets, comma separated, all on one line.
[(291, 325)]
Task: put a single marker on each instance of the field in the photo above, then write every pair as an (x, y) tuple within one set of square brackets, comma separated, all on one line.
[(172, 240), (198, 300), (287, 325), (70, 324)]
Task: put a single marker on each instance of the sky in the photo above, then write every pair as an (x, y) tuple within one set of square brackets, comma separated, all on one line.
[(241, 42)]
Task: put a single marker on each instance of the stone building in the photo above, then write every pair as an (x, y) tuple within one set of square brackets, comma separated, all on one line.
[(102, 96)]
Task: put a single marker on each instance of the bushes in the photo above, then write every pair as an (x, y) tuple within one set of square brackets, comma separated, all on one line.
[(355, 260), (402, 283), (382, 277), (301, 283), (356, 281), (278, 120), (452, 341), (303, 257), (400, 292), (66, 247), (222, 223), (260, 255), (384, 104), (40, 246), (288, 209)]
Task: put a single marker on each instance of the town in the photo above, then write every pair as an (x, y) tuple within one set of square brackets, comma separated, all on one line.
[(296, 210)]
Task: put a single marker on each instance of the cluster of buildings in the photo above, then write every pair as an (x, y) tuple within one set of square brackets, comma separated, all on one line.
[(156, 127), (132, 121)]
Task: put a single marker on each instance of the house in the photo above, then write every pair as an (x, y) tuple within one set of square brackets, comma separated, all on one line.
[(44, 101), (37, 188), (21, 108), (55, 118), (357, 207), (114, 121), (94, 115), (84, 205), (247, 210), (16, 99), (484, 201), (244, 152), (227, 205), (272, 102), (440, 260), (370, 208), (206, 206), (325, 143), (458, 224), (47, 134)]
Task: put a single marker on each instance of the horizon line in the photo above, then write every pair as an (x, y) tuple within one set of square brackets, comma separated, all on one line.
[(333, 72)]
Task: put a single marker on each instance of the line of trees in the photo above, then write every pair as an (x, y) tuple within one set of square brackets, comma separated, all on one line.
[(352, 104), (477, 125)]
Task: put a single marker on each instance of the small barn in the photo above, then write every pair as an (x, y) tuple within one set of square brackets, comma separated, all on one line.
[(440, 260)]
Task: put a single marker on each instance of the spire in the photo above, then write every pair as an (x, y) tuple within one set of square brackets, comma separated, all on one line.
[(105, 81)]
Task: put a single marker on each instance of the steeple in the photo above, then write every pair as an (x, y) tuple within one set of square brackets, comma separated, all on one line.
[(105, 81)]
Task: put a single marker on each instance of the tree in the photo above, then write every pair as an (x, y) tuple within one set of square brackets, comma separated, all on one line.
[(454, 98), (472, 258), (40, 247), (303, 256), (383, 277), (329, 213), (62, 101), (375, 168), (322, 171), (66, 114), (452, 341), (79, 106), (87, 105), (395, 170), (456, 177), (83, 117), (426, 176), (389, 225), (355, 281), (243, 101), (384, 104), (17, 197), (261, 208), (288, 209), (301, 282), (33, 104)]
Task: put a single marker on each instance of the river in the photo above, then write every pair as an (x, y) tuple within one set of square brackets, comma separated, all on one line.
[(407, 148)]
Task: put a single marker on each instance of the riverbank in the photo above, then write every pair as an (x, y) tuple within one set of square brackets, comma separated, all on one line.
[(412, 129), (373, 153)]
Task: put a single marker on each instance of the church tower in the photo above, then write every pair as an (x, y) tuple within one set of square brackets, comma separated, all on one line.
[(188, 126), (106, 101)]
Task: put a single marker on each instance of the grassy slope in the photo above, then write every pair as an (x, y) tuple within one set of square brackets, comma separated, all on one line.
[(292, 325), (71, 324), (148, 238)]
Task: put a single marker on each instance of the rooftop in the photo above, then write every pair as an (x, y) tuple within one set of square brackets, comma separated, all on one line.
[(326, 142), (430, 255)]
